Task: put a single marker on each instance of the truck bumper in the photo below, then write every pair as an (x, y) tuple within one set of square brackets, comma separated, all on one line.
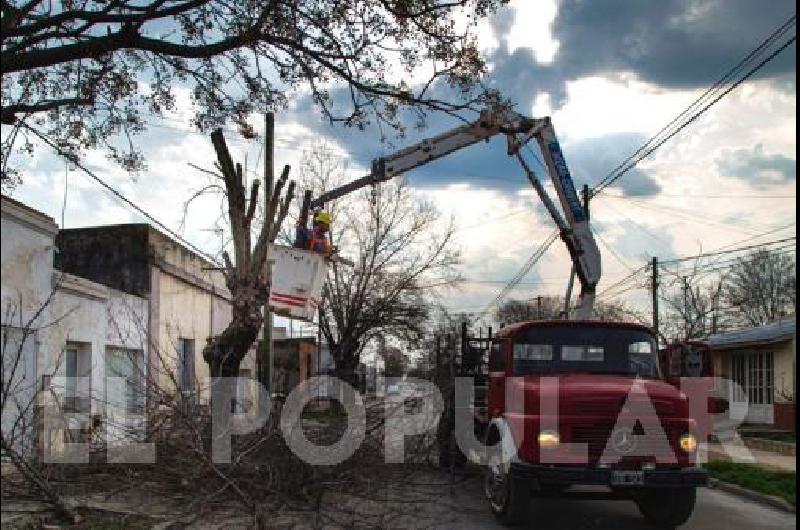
[(568, 476)]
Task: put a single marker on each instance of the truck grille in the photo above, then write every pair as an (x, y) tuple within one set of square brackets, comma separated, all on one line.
[(648, 448)]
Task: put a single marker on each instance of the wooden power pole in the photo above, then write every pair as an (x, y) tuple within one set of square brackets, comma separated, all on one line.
[(269, 183), (655, 297)]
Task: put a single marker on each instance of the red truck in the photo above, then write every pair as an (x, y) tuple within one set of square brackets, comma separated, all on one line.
[(595, 373), (594, 367)]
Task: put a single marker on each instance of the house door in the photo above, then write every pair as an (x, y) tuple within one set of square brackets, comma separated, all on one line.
[(753, 372)]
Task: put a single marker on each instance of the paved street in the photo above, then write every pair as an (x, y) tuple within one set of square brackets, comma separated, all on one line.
[(466, 509)]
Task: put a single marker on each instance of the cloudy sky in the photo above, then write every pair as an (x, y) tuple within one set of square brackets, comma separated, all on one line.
[(610, 74)]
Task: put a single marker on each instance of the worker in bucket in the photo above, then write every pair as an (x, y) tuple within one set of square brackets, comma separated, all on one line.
[(319, 236)]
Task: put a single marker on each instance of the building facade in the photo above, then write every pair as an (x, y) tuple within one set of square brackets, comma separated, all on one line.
[(62, 335), (189, 303), (762, 362)]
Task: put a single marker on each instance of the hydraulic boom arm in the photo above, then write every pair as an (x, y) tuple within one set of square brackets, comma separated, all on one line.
[(573, 224)]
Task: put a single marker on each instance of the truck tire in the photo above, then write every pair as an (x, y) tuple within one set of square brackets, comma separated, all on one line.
[(507, 496), (667, 508)]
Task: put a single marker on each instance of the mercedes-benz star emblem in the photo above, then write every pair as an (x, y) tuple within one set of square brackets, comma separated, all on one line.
[(623, 440)]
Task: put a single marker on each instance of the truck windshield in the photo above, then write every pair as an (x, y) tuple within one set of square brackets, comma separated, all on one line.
[(588, 349)]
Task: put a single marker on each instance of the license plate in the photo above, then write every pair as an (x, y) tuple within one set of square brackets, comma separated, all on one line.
[(627, 478)]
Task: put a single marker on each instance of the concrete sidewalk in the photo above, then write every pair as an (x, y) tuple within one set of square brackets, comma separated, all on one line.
[(741, 454)]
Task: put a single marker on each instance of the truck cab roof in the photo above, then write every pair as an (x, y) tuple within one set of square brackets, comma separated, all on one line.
[(512, 330)]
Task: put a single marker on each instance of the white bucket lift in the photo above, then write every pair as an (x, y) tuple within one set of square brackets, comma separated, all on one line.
[(297, 280)]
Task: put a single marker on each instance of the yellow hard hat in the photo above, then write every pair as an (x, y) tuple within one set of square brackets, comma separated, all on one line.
[(323, 217)]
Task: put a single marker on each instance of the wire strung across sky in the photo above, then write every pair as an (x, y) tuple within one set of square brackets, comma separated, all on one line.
[(730, 251), (535, 257), (707, 100), (116, 193)]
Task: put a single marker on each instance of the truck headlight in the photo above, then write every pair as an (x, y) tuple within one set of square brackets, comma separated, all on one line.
[(549, 439), (688, 443)]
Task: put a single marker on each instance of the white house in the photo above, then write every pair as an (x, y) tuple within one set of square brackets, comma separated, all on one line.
[(62, 335), (762, 361)]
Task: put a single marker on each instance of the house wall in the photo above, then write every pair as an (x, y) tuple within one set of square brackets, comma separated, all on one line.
[(98, 317), (786, 370), (784, 366), (71, 310), (27, 261), (115, 256), (192, 303), (27, 238)]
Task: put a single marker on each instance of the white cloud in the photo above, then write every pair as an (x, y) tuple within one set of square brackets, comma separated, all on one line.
[(532, 28), (498, 230)]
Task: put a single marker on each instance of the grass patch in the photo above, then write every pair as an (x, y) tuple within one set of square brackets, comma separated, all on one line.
[(778, 484)]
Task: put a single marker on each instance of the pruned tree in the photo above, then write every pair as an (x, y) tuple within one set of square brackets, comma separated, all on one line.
[(401, 248), (691, 307), (762, 287), (246, 273), (89, 73)]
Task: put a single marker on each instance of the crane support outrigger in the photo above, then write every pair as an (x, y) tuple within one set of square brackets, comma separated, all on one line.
[(572, 220)]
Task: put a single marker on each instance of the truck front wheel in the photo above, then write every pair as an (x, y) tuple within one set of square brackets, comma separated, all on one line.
[(507, 496), (667, 508)]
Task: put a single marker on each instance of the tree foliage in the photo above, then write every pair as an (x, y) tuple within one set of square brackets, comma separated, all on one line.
[(691, 307), (90, 73), (757, 288), (762, 287)]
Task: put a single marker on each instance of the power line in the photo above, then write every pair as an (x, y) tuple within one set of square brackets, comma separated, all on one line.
[(613, 252), (537, 254), (623, 281), (116, 193), (696, 196), (649, 147), (708, 254), (769, 232), (726, 264), (689, 216)]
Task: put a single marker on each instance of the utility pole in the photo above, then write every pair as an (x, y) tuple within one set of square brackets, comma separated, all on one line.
[(687, 320), (655, 297), (269, 182)]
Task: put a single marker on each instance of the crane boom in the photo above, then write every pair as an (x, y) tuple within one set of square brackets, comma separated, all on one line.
[(571, 219), (429, 149)]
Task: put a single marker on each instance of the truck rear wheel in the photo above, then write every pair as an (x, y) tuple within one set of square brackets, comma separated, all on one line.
[(507, 496), (667, 508)]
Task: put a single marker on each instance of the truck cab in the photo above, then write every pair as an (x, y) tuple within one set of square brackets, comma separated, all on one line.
[(585, 404)]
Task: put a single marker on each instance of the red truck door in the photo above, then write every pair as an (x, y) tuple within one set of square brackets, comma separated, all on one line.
[(498, 362)]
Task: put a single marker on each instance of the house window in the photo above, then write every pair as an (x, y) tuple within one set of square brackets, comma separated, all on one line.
[(185, 349), (126, 364), (77, 372), (754, 374)]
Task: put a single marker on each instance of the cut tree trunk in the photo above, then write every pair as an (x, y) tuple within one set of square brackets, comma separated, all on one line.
[(224, 353)]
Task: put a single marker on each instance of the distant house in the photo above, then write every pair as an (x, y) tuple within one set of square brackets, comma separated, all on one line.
[(762, 362), (295, 360)]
